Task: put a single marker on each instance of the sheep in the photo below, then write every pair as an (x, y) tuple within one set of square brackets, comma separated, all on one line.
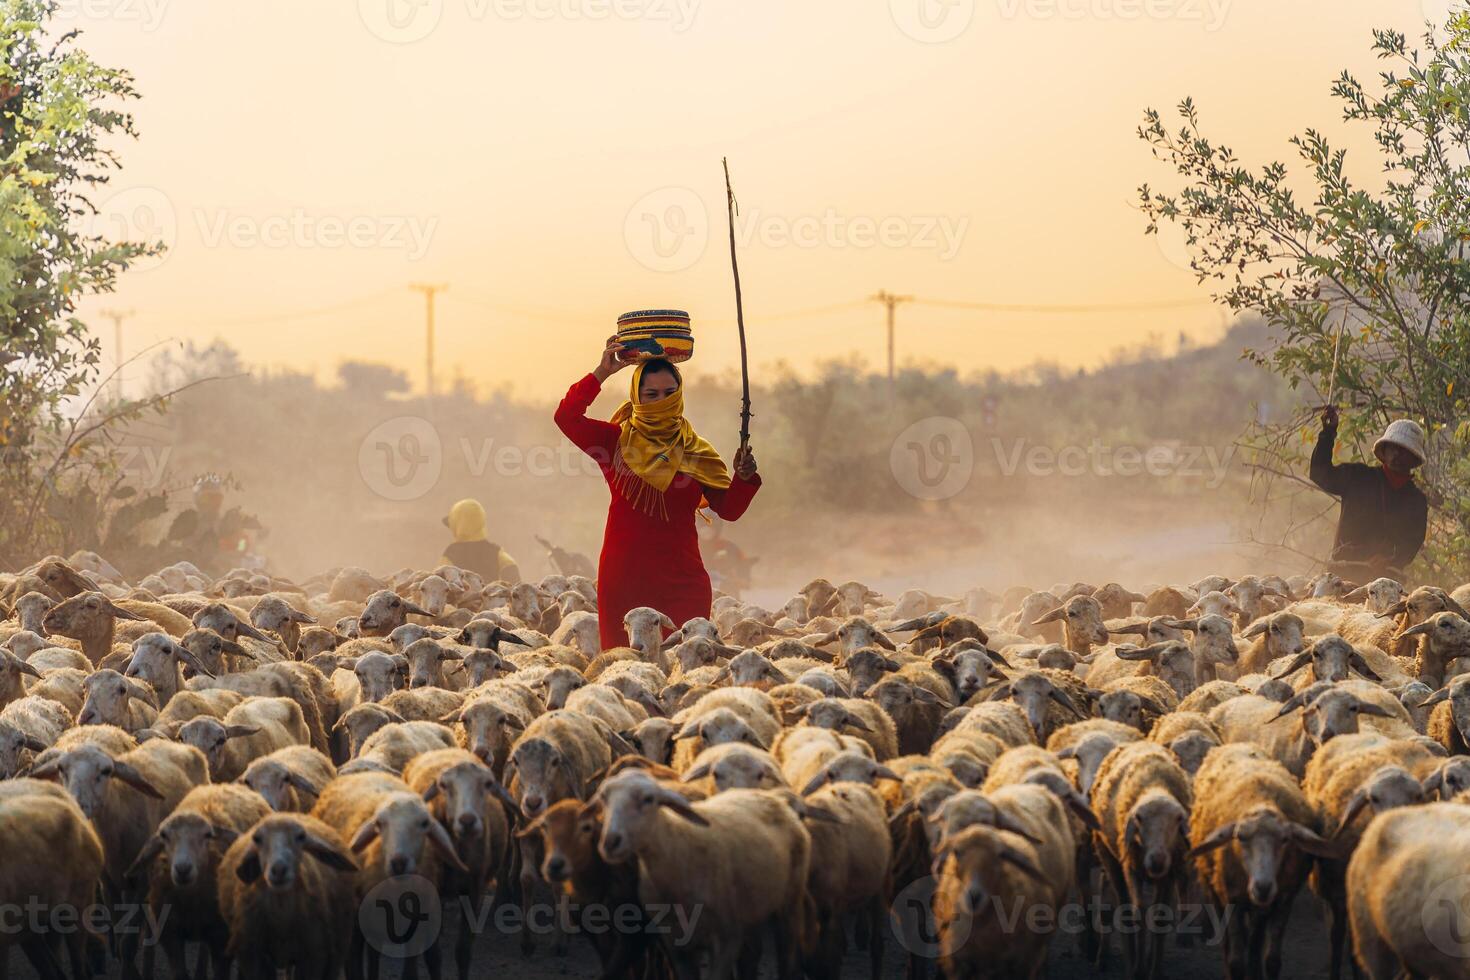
[(645, 628), (179, 862), (1048, 698), (1330, 658), (802, 752), (393, 745), (267, 889), (967, 755), (1278, 635), (1005, 720), (1351, 774), (385, 611), (869, 722), (159, 660), (915, 710), (12, 668), (28, 727), (276, 615), (427, 660), (1141, 798), (492, 716), (1089, 743), (302, 684), (91, 618), (751, 851), (1378, 596), (1082, 623), (467, 800), (556, 757), (113, 699), (1331, 711), (1127, 698), (850, 856), (395, 837), (30, 611), (37, 820), (188, 705), (290, 779), (1446, 636), (253, 728), (1409, 922), (968, 668), (1253, 834), (1449, 720), (734, 765)]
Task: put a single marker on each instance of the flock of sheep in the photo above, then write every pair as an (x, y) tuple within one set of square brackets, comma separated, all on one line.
[(248, 759)]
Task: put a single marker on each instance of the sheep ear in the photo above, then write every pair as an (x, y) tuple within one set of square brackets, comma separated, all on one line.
[(34, 744), (690, 730), (1442, 694), (1191, 625), (1061, 698), (993, 655), (1023, 863), (798, 711), (1359, 664), (1369, 708), (1219, 838), (1139, 628), (1152, 705), (135, 779), (825, 639), (883, 641), (145, 856), (1419, 630), (119, 612), (415, 609), (248, 870), (1070, 752), (328, 853), (241, 731), (230, 646), (1357, 595), (1296, 664), (1050, 617), (1255, 629), (698, 772), (439, 837), (999, 693), (430, 792), (854, 722), (682, 807), (1397, 609), (1355, 806), (303, 784), (1132, 653), (365, 835), (817, 782), (1311, 843), (190, 661), (1433, 782), (1084, 812), (296, 616)]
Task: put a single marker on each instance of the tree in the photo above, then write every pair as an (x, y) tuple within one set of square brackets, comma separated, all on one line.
[(1366, 291), (59, 112)]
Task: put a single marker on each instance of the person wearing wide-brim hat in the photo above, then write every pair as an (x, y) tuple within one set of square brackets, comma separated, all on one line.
[(659, 471), (1384, 513)]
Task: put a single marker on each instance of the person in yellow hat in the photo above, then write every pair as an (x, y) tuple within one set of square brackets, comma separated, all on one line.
[(471, 550)]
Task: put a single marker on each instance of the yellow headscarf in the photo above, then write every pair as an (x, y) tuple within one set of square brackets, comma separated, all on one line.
[(656, 443), (466, 520)]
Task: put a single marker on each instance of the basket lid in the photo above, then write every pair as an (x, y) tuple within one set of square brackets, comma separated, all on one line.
[(654, 319)]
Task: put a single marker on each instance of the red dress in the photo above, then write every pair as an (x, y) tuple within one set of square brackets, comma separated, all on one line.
[(647, 560)]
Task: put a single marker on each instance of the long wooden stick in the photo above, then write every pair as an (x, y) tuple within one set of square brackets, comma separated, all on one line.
[(739, 314)]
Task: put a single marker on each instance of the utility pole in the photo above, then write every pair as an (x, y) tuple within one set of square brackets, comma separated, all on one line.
[(429, 289), (117, 317), (891, 302)]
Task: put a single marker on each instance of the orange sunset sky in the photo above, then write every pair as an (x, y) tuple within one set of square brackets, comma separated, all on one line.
[(558, 161)]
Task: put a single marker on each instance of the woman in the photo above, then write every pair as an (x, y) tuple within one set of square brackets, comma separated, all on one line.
[(659, 471)]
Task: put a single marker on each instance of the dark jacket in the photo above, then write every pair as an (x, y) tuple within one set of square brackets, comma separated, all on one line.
[(483, 558), (1378, 523)]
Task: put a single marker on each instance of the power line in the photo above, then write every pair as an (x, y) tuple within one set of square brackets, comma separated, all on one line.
[(1065, 308), (891, 302)]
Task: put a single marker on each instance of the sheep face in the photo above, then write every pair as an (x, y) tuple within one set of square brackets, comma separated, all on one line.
[(556, 684), (220, 618), (275, 614), (278, 785), (568, 833), (1331, 658), (86, 771), (25, 642), (1249, 594), (1379, 595), (1157, 833), (403, 826), (700, 626), (831, 714), (209, 649), (1263, 839), (488, 728), (1448, 636), (14, 743), (212, 736), (362, 720), (721, 727), (1450, 779), (739, 767), (434, 595), (797, 609), (314, 641), (967, 808), (189, 846), (1033, 607), (751, 669), (1215, 604), (630, 804), (380, 674), (1082, 620), (898, 697), (1126, 708), (972, 670), (87, 616), (407, 635), (156, 658), (645, 629), (822, 682), (1214, 641), (1117, 601), (108, 694), (31, 610), (853, 598), (385, 611), (466, 790), (654, 739), (1032, 693), (1388, 788), (426, 661), (1334, 713), (1190, 749), (867, 667), (982, 857), (544, 774), (850, 766), (484, 665), (857, 633), (1283, 633), (277, 846), (696, 652), (579, 629), (1090, 753)]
